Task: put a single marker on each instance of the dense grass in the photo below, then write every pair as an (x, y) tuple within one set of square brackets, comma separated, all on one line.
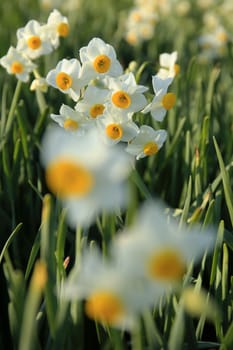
[(192, 173)]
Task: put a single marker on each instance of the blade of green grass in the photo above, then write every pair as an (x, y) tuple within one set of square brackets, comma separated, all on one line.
[(226, 181), (10, 239)]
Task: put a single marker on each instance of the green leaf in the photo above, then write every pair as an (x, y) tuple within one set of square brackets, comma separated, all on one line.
[(226, 182), (10, 239)]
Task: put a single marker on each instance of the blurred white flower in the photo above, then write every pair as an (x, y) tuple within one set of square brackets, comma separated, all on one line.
[(140, 24), (85, 174), (15, 62), (158, 249), (213, 44), (110, 295)]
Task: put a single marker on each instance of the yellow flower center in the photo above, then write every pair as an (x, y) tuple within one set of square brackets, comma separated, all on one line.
[(34, 42), (176, 68), (150, 148), (222, 37), (70, 124), (96, 110), (166, 265), (63, 29), (17, 67), (121, 99), (63, 81), (102, 63), (104, 307), (114, 131), (66, 178), (168, 100)]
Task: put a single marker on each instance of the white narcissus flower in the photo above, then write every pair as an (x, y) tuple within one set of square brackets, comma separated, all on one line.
[(85, 174), (57, 26), (15, 62), (109, 293), (126, 94), (147, 142), (33, 40), (158, 249), (114, 126), (213, 44), (168, 66), (93, 102), (72, 120), (140, 25), (99, 59), (67, 77), (162, 101)]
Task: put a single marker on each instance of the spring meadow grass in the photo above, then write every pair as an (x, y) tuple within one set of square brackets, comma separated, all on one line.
[(123, 241)]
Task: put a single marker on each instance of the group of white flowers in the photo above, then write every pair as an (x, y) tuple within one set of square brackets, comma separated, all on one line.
[(106, 100), (34, 40), (145, 15)]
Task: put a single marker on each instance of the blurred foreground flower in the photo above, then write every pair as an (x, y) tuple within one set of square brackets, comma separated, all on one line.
[(110, 295), (85, 174), (145, 262), (163, 251)]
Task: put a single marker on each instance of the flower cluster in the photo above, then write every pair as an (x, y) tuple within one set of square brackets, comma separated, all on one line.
[(145, 15), (141, 22), (146, 261), (211, 35), (33, 41), (82, 160), (213, 39), (107, 98)]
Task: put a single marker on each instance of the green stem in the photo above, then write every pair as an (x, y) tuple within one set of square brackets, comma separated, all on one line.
[(78, 245), (13, 107), (136, 337)]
